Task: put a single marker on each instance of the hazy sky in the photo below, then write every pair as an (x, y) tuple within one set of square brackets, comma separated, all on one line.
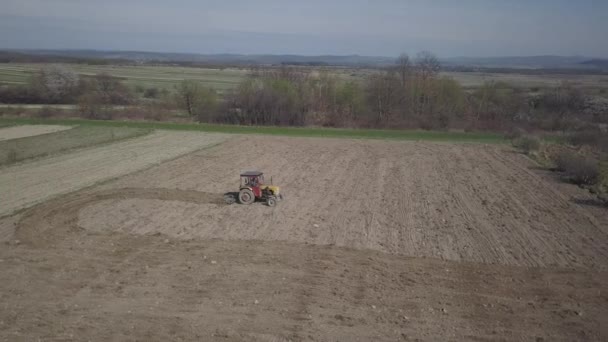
[(383, 27)]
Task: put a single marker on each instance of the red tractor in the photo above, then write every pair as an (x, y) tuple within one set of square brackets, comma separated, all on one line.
[(253, 188)]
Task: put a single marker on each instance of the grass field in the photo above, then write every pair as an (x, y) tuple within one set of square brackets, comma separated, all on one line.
[(16, 150), (476, 79), (285, 131), (163, 77), (166, 77)]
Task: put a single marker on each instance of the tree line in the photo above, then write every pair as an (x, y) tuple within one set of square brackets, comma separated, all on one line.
[(410, 94)]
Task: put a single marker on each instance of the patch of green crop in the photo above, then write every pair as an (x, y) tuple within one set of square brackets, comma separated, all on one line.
[(16, 150), (448, 136)]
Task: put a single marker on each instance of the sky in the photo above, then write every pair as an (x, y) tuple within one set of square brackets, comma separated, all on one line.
[(479, 28)]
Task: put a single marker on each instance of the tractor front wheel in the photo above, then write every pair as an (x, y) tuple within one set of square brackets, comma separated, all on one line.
[(271, 202), (246, 196)]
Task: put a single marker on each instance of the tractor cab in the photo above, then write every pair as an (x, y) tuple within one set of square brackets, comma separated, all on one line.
[(252, 179), (253, 187)]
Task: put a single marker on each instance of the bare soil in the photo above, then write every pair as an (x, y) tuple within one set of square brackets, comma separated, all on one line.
[(456, 202), (29, 130), (376, 240)]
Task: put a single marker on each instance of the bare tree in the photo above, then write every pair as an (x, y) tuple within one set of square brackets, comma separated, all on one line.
[(199, 101), (404, 67), (428, 64), (384, 96), (188, 91)]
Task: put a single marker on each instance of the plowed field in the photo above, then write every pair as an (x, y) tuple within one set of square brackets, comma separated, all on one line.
[(376, 240)]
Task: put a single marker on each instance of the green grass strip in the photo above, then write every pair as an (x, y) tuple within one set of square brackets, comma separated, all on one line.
[(16, 150), (270, 130)]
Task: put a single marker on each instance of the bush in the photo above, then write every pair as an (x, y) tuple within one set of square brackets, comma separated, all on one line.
[(94, 106), (12, 111), (586, 137), (139, 88), (528, 144), (578, 169), (151, 93), (590, 137), (515, 133), (48, 112)]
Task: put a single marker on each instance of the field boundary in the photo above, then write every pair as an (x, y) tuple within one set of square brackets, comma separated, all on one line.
[(105, 179), (447, 136), (102, 182), (89, 144)]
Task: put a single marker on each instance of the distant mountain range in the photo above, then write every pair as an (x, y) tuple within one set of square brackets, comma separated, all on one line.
[(348, 60), (522, 62)]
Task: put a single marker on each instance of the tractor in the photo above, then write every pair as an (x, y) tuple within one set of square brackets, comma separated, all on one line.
[(253, 188)]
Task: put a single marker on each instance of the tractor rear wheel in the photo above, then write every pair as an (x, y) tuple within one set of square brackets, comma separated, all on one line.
[(246, 196)]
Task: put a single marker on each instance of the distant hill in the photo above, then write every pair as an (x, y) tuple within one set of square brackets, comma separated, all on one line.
[(349, 60), (454, 63), (597, 63), (533, 62)]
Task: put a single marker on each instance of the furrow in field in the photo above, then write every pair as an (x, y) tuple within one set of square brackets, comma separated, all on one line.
[(448, 201)]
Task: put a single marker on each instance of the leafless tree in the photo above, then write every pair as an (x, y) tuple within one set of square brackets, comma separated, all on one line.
[(404, 67), (428, 64), (384, 96)]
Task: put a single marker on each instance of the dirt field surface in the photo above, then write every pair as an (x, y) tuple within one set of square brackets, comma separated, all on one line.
[(376, 240), (447, 201), (31, 182), (120, 287), (29, 130)]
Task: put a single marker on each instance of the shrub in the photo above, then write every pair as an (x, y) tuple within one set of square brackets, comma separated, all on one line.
[(139, 88), (515, 133), (151, 93), (47, 112), (528, 144), (94, 106), (55, 84), (578, 169), (12, 111), (586, 137), (590, 137)]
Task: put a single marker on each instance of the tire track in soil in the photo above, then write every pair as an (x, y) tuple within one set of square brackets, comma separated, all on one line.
[(527, 187), (45, 223), (306, 292), (520, 213)]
